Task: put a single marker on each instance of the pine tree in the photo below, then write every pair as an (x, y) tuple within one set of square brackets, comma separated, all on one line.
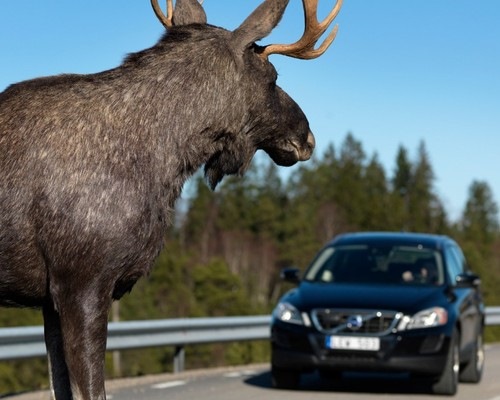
[(480, 217), (377, 212), (199, 223), (421, 199), (480, 238), (401, 188)]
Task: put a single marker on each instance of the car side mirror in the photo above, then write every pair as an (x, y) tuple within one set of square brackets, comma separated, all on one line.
[(291, 275), (468, 280)]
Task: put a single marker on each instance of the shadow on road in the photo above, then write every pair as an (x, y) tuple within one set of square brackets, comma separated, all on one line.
[(350, 383)]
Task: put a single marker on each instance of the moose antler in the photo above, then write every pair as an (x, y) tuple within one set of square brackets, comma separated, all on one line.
[(304, 48), (165, 19)]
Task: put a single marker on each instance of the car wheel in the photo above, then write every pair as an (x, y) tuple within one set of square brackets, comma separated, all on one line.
[(447, 383), (284, 378), (473, 370)]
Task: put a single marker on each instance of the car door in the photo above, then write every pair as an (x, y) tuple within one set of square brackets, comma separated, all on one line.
[(468, 299)]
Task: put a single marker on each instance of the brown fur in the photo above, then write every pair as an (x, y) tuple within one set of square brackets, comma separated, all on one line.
[(91, 166)]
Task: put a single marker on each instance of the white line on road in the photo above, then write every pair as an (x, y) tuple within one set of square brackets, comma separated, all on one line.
[(239, 374), (168, 385)]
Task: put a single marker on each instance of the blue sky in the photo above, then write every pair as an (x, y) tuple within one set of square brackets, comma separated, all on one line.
[(398, 73)]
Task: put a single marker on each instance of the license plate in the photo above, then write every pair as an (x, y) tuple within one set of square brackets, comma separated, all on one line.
[(353, 343)]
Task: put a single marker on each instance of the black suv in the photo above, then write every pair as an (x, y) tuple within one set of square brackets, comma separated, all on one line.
[(385, 302)]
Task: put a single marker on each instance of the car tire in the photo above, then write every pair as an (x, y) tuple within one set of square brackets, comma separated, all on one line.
[(284, 378), (472, 372), (447, 384)]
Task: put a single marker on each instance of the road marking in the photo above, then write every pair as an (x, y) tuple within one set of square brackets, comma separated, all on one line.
[(232, 375), (168, 385), (239, 374)]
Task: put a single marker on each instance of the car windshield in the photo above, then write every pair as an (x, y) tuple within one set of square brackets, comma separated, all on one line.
[(377, 264)]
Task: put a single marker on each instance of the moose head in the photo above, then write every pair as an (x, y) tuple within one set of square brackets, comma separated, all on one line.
[(272, 122)]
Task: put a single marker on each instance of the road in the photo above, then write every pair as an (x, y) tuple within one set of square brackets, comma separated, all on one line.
[(245, 383)]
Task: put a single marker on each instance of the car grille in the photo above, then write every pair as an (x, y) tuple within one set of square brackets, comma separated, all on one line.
[(374, 322)]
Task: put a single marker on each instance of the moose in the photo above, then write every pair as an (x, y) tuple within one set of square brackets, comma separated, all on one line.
[(91, 166)]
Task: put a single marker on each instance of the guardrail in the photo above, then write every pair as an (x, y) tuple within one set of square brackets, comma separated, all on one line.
[(27, 342), (492, 315)]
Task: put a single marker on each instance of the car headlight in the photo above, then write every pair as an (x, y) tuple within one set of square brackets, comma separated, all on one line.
[(429, 318), (287, 313)]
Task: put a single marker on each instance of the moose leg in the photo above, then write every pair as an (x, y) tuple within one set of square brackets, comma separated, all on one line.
[(59, 378), (78, 370)]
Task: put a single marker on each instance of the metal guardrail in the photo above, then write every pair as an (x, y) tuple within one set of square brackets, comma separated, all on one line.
[(27, 342), (492, 315)]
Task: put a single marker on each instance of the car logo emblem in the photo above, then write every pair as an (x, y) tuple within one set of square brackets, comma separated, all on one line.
[(354, 322)]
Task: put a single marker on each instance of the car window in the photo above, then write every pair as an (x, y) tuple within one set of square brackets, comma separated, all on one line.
[(377, 265), (461, 258), (455, 262)]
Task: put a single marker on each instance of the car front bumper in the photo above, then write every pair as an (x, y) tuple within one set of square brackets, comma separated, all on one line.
[(420, 352)]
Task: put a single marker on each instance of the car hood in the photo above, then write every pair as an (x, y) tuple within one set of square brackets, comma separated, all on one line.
[(404, 298)]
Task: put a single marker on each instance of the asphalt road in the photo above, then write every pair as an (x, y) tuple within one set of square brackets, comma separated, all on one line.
[(254, 382)]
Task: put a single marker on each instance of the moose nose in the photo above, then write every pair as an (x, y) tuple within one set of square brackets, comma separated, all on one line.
[(311, 142), (307, 151)]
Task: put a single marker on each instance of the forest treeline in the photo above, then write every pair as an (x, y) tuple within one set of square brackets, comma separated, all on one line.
[(225, 249)]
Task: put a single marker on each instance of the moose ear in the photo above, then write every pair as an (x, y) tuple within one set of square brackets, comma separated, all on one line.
[(188, 12), (260, 23)]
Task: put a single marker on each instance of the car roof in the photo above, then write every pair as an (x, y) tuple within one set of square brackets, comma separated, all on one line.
[(393, 238)]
